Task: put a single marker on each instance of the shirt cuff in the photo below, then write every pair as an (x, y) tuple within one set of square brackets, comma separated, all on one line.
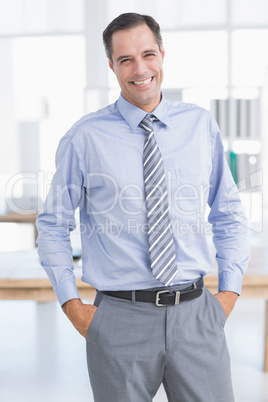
[(66, 291), (230, 281)]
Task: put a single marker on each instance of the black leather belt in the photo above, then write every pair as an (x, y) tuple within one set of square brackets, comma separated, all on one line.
[(162, 297)]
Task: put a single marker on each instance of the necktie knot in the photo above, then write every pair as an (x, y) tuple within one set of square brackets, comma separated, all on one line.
[(147, 122)]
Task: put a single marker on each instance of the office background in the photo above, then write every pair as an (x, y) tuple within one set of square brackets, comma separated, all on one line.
[(53, 70)]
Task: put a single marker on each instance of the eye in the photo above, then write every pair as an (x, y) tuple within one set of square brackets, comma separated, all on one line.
[(149, 55), (124, 61)]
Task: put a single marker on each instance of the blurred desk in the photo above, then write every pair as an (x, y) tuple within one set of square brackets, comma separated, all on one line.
[(22, 278), (20, 218)]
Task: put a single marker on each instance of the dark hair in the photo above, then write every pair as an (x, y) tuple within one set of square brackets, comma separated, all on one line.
[(127, 21)]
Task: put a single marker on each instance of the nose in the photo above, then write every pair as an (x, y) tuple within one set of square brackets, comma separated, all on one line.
[(140, 67)]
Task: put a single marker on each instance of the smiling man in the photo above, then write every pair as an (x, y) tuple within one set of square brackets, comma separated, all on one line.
[(148, 166)]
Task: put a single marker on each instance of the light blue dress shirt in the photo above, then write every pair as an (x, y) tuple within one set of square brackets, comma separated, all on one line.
[(99, 169)]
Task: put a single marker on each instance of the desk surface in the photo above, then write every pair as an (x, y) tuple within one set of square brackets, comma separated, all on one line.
[(18, 218)]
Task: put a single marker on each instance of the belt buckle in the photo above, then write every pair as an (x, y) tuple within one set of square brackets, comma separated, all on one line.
[(157, 298)]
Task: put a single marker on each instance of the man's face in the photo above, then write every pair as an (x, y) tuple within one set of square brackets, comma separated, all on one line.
[(137, 63)]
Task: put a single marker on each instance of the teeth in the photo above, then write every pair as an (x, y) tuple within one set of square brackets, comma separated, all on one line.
[(143, 82)]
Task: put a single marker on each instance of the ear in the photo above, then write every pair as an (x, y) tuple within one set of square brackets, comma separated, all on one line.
[(111, 65), (162, 51)]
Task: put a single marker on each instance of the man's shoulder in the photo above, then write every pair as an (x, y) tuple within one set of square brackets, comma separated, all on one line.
[(179, 106), (87, 125), (99, 116), (192, 112)]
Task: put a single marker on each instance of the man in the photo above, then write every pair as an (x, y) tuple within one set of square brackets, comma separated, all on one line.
[(141, 171)]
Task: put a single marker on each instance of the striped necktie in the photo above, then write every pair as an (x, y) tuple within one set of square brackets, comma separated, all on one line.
[(160, 236)]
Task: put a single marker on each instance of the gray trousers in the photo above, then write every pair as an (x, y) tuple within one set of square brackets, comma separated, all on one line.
[(133, 347)]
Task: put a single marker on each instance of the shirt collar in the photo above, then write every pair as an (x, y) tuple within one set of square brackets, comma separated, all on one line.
[(133, 114)]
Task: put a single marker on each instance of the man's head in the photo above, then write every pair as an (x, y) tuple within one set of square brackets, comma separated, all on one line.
[(134, 48), (128, 21)]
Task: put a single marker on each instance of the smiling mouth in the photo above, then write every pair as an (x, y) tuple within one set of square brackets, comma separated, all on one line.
[(145, 82)]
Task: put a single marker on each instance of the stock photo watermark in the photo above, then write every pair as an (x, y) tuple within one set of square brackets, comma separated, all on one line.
[(188, 202)]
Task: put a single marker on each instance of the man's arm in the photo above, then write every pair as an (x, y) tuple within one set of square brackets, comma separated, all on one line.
[(229, 226), (56, 220)]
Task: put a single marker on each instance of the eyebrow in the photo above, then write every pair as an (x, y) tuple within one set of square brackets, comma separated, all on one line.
[(127, 56)]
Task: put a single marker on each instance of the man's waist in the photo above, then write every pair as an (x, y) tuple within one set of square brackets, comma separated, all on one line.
[(163, 296)]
